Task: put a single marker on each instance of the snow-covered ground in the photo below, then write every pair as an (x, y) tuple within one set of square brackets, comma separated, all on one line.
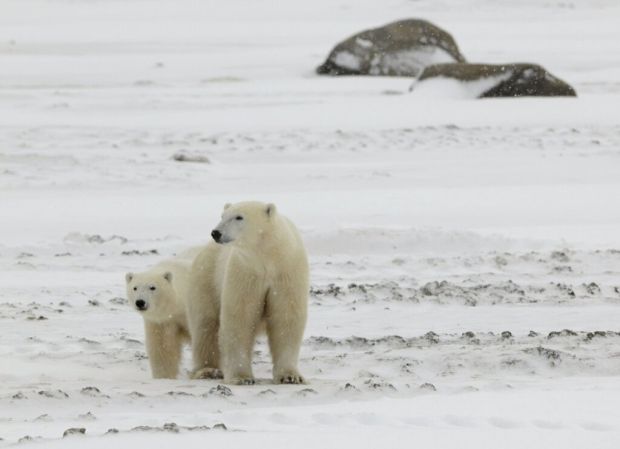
[(465, 254)]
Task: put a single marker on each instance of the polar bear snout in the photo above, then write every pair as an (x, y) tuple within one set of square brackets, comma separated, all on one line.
[(141, 304), (217, 235)]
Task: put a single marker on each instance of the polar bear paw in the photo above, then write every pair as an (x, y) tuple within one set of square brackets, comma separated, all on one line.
[(207, 373), (290, 378), (243, 381)]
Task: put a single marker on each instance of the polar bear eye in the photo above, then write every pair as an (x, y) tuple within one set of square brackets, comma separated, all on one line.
[(152, 288), (135, 289), (238, 217)]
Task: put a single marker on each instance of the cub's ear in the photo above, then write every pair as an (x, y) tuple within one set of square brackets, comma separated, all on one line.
[(226, 206), (168, 276), (271, 209), (128, 277)]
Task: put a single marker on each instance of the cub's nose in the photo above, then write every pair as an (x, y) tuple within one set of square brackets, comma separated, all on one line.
[(217, 235), (141, 304)]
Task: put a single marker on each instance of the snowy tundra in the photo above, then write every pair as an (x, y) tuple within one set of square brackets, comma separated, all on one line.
[(464, 254)]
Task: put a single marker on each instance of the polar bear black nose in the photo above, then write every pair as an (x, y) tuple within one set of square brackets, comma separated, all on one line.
[(140, 303), (217, 235)]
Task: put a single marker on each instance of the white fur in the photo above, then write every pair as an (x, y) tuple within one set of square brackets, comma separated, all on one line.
[(164, 290), (259, 277)]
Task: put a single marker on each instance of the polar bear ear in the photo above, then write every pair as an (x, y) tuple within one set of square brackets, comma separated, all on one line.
[(226, 206), (271, 209), (128, 277), (168, 276)]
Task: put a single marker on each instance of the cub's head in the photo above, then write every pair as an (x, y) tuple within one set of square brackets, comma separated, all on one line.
[(244, 223), (151, 294)]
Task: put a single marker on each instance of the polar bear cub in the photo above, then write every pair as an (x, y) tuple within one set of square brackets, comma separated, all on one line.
[(254, 274), (159, 295)]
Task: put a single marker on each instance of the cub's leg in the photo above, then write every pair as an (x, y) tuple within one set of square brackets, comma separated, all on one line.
[(163, 346)]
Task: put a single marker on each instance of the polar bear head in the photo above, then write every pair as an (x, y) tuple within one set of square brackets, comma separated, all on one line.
[(245, 224), (151, 293)]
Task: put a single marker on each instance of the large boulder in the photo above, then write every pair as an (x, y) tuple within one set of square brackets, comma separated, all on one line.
[(402, 48), (501, 80)]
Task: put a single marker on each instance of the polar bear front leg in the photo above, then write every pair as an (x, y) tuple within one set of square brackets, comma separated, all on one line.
[(163, 346), (242, 310), (287, 311)]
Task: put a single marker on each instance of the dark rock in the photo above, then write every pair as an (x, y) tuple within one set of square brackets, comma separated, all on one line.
[(221, 390), (91, 391), (562, 333), (144, 429), (560, 256), (307, 392), (179, 393), (506, 335), (402, 48), (74, 431), (593, 289), (378, 384), (565, 288), (592, 335), (171, 427), (58, 394), (93, 238), (322, 341), (135, 252), (186, 156), (511, 80), (267, 392), (553, 356), (512, 362), (433, 288), (330, 290), (197, 428), (431, 337)]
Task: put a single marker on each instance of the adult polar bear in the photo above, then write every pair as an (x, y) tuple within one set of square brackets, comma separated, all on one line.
[(255, 273)]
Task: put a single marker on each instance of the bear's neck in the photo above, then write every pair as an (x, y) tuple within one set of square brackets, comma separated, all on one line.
[(266, 253)]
